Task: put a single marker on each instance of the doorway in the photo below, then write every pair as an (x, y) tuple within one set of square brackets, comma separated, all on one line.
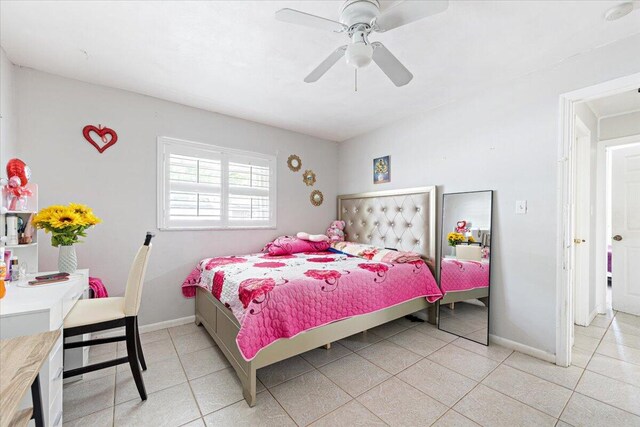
[(591, 161)]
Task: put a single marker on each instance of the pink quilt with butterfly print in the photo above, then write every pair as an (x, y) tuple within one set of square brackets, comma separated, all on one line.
[(463, 275), (277, 297)]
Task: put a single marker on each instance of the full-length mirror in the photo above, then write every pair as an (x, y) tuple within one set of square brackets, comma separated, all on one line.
[(465, 272)]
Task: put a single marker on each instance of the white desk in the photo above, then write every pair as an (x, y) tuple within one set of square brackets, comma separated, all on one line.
[(31, 310)]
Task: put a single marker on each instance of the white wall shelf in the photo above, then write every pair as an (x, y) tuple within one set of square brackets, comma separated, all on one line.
[(26, 253), (26, 245)]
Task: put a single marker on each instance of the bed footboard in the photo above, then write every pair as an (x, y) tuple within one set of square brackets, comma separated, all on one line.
[(223, 328)]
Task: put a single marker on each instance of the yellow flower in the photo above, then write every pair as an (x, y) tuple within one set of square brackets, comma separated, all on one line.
[(90, 219), (65, 218), (80, 209), (471, 239)]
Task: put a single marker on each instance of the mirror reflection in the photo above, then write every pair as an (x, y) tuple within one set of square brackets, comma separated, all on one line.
[(465, 265)]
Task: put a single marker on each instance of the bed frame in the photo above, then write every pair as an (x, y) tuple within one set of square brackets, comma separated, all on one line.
[(401, 219), (481, 294)]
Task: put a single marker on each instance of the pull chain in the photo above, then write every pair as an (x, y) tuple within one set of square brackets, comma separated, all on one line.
[(356, 80)]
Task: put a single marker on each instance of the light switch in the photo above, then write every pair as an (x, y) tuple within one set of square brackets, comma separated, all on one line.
[(521, 207)]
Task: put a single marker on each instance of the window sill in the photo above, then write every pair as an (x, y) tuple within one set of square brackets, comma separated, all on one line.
[(230, 228)]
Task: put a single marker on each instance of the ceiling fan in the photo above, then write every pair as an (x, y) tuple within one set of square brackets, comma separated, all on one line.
[(358, 19)]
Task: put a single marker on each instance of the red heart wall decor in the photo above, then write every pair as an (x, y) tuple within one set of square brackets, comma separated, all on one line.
[(102, 132)]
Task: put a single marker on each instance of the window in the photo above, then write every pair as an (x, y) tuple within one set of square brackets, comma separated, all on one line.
[(204, 186)]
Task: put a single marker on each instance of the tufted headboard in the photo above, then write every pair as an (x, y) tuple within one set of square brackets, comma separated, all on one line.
[(399, 219)]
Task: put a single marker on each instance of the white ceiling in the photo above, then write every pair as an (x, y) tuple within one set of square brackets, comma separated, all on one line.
[(233, 57), (625, 102)]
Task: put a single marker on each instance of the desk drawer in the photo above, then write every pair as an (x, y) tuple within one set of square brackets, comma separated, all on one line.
[(55, 371), (55, 412), (70, 300)]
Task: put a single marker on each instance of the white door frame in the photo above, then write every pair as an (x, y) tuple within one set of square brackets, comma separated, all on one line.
[(583, 172), (566, 202)]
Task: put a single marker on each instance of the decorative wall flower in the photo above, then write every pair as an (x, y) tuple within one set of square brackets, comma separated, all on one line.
[(316, 197), (309, 177), (294, 163)]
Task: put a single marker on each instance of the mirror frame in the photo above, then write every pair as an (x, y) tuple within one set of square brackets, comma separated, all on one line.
[(439, 264), (294, 163), (312, 197), (309, 177)]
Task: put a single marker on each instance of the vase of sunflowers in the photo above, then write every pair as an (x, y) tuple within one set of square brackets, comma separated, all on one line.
[(454, 238), (67, 224)]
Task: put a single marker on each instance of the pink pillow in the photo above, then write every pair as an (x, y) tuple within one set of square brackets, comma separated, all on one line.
[(286, 245)]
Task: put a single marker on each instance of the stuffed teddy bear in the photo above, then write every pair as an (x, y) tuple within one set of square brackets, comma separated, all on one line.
[(335, 232)]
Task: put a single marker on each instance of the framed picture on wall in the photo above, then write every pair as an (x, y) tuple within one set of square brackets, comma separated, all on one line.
[(382, 170)]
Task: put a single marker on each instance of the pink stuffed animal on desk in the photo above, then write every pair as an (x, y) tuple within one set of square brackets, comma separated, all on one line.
[(335, 232)]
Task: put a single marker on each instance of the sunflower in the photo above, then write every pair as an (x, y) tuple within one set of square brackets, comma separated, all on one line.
[(80, 209), (89, 219), (65, 223), (64, 219)]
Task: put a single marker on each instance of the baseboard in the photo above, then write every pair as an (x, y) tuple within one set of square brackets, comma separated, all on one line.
[(593, 314), (522, 348), (152, 326), (167, 324)]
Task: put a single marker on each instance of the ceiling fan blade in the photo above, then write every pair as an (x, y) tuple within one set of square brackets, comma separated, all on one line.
[(301, 18), (408, 11), (390, 65), (326, 65)]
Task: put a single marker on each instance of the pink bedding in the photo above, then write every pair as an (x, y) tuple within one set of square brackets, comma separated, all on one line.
[(277, 297), (286, 245), (463, 275)]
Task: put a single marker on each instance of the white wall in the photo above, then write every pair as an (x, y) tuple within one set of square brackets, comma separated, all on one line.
[(620, 126), (475, 208), (506, 139), (120, 184), (8, 111)]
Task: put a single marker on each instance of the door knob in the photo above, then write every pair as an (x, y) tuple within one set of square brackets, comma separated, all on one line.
[(576, 241), (617, 237)]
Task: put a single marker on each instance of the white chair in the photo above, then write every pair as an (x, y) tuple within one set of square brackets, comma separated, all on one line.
[(93, 315)]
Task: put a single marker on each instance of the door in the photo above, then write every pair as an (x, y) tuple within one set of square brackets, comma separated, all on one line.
[(625, 226)]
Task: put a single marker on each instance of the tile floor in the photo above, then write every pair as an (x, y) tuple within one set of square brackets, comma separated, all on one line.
[(401, 373)]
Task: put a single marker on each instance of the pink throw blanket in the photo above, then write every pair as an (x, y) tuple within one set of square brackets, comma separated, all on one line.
[(277, 297), (463, 275), (98, 288)]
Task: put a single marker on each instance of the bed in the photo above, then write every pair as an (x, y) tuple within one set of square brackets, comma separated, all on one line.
[(462, 280), (403, 220)]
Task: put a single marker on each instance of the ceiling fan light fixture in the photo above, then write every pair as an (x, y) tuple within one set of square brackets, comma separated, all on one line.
[(359, 55), (619, 11)]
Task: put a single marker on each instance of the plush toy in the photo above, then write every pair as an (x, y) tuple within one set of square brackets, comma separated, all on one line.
[(335, 232), (18, 168), (19, 174), (462, 227), (312, 237)]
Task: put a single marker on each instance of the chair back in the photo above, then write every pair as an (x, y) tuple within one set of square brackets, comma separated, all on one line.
[(133, 293)]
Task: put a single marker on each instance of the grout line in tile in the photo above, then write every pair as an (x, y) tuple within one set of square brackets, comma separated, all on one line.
[(381, 367), (283, 408), (451, 409), (341, 406), (605, 403), (185, 375), (565, 406)]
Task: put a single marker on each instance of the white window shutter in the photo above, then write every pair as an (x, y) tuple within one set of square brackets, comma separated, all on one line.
[(203, 186)]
